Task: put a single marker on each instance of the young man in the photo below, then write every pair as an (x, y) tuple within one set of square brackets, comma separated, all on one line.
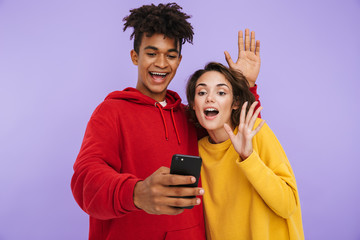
[(121, 175)]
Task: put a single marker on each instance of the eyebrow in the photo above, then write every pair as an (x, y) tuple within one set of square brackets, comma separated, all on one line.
[(217, 85), (156, 49)]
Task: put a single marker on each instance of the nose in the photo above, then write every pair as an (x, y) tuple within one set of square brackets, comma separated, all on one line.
[(161, 61), (209, 98)]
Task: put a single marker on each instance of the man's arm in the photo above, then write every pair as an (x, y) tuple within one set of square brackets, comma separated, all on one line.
[(97, 186), (104, 193)]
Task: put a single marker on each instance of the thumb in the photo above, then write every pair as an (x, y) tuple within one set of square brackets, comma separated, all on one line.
[(229, 131), (228, 59)]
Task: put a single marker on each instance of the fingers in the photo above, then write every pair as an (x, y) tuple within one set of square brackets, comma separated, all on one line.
[(166, 210), (179, 197), (257, 49), (250, 113), (254, 117), (162, 176), (247, 40), (183, 202), (240, 41), (257, 129), (155, 195), (184, 191), (248, 119), (174, 180), (257, 112), (243, 113), (252, 42)]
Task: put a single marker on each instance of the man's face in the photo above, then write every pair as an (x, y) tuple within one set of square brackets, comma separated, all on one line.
[(157, 61)]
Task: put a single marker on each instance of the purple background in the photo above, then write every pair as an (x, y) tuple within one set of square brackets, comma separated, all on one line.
[(59, 59)]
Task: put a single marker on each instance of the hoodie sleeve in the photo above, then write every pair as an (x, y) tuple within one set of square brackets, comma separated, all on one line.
[(253, 90), (97, 184)]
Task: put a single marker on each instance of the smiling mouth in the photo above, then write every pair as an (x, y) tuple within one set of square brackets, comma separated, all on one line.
[(211, 112), (158, 74)]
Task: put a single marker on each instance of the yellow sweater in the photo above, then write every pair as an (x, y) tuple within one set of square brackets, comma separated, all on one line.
[(253, 199)]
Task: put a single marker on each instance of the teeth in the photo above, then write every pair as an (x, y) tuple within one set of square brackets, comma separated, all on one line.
[(159, 74), (211, 112)]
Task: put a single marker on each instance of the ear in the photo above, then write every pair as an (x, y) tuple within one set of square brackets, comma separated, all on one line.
[(236, 105), (134, 57), (179, 60)]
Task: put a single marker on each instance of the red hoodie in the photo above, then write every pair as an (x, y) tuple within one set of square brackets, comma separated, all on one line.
[(128, 137)]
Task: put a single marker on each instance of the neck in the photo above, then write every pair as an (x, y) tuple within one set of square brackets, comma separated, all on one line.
[(159, 97), (218, 135)]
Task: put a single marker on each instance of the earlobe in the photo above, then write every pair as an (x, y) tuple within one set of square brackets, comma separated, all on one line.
[(134, 57), (235, 106), (180, 57)]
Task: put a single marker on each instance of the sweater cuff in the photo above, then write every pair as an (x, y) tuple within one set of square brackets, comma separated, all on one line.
[(252, 166), (250, 162), (253, 90), (127, 195)]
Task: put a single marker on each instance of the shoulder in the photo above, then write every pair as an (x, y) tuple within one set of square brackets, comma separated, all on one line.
[(105, 107), (265, 129), (266, 144), (203, 142), (265, 138)]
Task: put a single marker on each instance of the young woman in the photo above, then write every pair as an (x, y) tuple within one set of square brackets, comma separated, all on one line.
[(250, 188)]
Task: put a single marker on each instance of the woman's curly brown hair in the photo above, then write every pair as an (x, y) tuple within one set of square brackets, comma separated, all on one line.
[(165, 19)]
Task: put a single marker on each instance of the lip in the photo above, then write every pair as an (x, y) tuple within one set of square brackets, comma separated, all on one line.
[(158, 77), (210, 117)]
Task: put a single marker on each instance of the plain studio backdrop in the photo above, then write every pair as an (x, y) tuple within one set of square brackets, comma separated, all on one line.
[(59, 60)]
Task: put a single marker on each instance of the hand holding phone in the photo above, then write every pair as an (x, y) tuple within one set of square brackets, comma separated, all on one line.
[(186, 165)]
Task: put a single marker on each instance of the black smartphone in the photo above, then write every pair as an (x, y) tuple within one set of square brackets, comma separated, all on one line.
[(186, 165)]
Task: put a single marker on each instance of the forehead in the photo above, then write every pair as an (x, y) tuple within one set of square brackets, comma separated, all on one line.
[(213, 78), (158, 41)]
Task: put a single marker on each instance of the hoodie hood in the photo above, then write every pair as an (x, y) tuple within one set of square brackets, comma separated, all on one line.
[(133, 95), (173, 103)]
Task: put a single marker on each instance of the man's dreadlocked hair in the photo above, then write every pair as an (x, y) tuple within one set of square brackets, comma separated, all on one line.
[(165, 19)]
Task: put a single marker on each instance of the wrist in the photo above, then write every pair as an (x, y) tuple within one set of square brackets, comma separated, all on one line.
[(251, 84), (136, 194), (243, 157)]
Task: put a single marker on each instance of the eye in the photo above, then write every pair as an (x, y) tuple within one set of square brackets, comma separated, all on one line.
[(172, 56), (221, 93), (151, 54), (201, 93)]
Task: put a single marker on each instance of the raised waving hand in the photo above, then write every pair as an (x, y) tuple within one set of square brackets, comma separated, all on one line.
[(248, 62), (242, 141)]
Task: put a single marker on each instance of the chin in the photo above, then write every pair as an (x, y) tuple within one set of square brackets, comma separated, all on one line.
[(158, 89), (210, 127)]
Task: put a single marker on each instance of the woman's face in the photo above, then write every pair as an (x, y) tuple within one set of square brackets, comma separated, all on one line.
[(213, 103)]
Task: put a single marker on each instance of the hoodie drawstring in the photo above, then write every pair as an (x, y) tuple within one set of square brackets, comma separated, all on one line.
[(163, 118), (173, 120), (165, 126)]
